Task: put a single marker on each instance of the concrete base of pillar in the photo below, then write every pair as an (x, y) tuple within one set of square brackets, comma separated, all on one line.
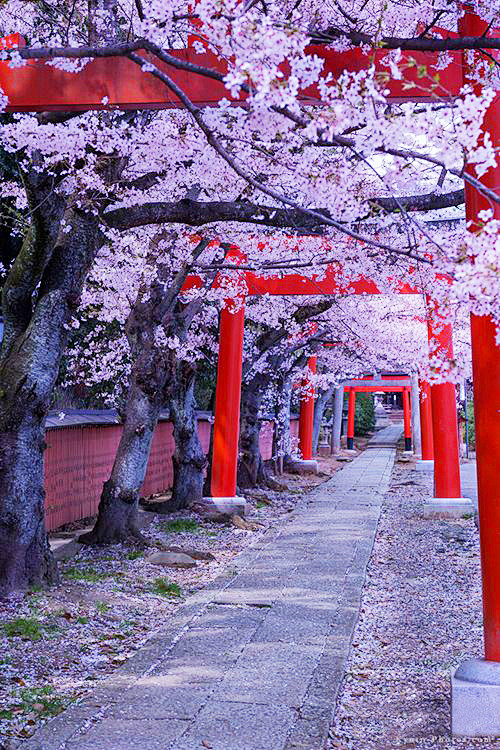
[(230, 505), (425, 464), (448, 507), (300, 466), (475, 699), (408, 453)]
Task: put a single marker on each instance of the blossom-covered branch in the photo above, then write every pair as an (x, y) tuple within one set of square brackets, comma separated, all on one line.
[(197, 213)]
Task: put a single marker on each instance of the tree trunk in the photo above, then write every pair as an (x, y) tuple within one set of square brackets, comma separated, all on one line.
[(282, 440), (118, 506), (337, 418), (319, 410), (25, 557), (153, 378), (251, 469), (189, 461), (207, 484), (39, 298)]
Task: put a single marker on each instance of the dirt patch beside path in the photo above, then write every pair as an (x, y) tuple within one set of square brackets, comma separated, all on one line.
[(420, 617)]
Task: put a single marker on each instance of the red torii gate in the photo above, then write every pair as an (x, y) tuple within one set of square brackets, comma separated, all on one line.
[(117, 83), (368, 384), (227, 406)]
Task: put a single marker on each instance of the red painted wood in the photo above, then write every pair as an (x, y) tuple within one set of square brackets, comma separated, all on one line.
[(332, 283), (160, 471), (78, 461), (306, 418), (406, 413), (486, 372), (227, 403), (351, 412), (374, 388), (383, 377), (444, 415), (426, 421), (116, 82)]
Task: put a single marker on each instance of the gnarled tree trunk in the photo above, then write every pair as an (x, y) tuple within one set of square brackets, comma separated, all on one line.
[(207, 483), (25, 557), (39, 297), (117, 515), (189, 461), (153, 378), (281, 437), (251, 468)]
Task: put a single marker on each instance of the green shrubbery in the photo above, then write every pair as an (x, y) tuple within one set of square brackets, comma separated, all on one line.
[(471, 425), (364, 416)]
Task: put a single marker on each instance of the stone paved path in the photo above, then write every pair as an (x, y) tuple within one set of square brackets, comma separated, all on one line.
[(253, 661), (468, 479)]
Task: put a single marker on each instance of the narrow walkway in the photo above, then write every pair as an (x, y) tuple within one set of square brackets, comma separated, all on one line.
[(254, 661), (468, 479)]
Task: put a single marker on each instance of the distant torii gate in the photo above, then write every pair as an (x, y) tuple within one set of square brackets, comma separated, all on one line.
[(402, 384), (108, 83)]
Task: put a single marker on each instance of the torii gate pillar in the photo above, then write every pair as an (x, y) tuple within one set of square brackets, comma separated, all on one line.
[(427, 462), (447, 498), (227, 410), (407, 419), (306, 424), (351, 411), (476, 683), (306, 415)]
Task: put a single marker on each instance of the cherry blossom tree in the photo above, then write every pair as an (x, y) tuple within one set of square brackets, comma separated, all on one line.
[(260, 167)]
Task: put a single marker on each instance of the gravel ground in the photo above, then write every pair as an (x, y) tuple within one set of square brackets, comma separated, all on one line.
[(420, 617), (58, 644)]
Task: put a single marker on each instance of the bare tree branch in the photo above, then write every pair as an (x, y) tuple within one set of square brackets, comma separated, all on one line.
[(417, 44), (318, 36)]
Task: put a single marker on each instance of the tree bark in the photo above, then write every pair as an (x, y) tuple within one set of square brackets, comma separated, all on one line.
[(189, 461), (319, 410), (251, 468), (281, 437), (207, 484), (337, 418), (25, 557), (117, 519), (39, 297), (152, 384)]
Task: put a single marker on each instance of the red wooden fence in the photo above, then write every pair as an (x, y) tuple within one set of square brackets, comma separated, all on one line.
[(79, 458)]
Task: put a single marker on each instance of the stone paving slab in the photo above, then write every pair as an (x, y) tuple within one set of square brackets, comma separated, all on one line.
[(254, 661), (223, 725), (468, 478)]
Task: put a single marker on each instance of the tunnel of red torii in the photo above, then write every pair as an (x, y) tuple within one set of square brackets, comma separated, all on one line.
[(117, 83), (401, 384), (227, 405)]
